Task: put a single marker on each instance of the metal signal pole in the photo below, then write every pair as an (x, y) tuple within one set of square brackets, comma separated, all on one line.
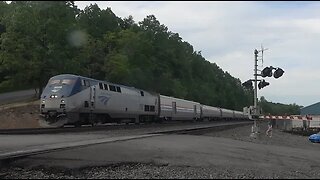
[(254, 127), (256, 112), (255, 80)]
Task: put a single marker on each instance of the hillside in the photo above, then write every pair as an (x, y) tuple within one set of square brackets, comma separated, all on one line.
[(42, 39)]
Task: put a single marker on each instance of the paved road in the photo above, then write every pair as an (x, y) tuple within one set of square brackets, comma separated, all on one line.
[(17, 96)]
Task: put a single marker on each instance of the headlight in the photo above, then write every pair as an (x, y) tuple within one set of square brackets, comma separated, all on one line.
[(56, 96), (62, 101), (43, 101)]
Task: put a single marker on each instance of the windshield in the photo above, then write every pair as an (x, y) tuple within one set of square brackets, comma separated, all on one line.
[(61, 82), (59, 86)]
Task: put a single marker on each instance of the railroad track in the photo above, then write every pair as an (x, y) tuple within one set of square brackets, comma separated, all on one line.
[(113, 126), (6, 157), (84, 128), (61, 130)]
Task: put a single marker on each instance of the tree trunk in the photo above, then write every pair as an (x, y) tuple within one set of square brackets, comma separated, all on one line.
[(40, 92), (40, 86)]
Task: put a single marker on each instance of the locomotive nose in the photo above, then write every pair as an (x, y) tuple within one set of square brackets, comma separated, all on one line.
[(53, 111), (54, 102)]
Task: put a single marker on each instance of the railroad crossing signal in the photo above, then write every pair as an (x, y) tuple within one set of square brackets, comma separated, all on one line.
[(267, 71), (278, 73), (263, 84)]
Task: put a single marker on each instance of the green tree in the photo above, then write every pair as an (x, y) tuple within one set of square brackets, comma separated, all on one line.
[(35, 45), (278, 108), (97, 22), (42, 39)]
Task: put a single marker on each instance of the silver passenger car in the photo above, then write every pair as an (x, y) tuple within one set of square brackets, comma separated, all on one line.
[(210, 113), (239, 115), (227, 113), (178, 109)]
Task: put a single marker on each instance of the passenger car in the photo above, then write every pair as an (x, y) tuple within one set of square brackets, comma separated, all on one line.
[(315, 138)]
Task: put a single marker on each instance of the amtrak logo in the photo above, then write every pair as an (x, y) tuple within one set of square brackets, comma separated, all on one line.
[(104, 99), (56, 89)]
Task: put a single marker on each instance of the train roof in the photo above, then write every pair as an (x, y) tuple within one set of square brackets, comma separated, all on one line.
[(104, 81), (179, 99)]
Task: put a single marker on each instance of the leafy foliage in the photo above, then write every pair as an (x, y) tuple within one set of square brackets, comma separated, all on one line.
[(34, 46), (278, 108)]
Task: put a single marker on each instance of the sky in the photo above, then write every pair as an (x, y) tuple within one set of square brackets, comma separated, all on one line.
[(228, 32)]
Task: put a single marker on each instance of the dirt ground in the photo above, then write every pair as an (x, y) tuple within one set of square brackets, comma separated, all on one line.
[(19, 115)]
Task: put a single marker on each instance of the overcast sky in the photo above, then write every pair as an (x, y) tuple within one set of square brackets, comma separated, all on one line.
[(228, 32)]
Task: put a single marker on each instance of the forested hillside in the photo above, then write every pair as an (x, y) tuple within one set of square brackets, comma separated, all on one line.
[(278, 108), (42, 39)]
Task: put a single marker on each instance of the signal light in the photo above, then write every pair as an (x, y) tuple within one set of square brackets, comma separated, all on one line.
[(263, 84), (267, 71), (278, 73)]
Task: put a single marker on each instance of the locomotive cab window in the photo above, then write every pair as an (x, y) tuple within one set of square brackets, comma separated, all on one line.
[(105, 86), (85, 82), (55, 81), (100, 86), (142, 93), (61, 82), (146, 108), (67, 81), (112, 88), (118, 89)]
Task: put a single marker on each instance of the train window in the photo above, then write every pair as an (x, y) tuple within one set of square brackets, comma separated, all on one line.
[(56, 81), (112, 88), (67, 81), (174, 107), (86, 104), (83, 83), (105, 86), (146, 108), (141, 92), (100, 86), (152, 108), (118, 89)]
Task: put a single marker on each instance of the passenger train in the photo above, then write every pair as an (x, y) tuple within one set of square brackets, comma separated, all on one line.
[(76, 100)]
